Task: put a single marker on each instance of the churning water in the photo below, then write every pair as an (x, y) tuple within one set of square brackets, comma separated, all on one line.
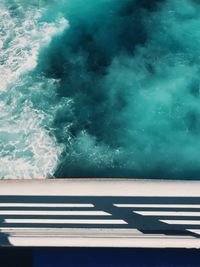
[(100, 88)]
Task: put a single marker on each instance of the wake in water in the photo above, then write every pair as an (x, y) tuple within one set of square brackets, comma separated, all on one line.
[(27, 148), (99, 88)]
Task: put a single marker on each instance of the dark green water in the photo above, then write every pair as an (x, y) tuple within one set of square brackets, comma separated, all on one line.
[(100, 88)]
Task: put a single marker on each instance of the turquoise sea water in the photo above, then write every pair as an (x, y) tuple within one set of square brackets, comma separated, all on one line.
[(100, 88)]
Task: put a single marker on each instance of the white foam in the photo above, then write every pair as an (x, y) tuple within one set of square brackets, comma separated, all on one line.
[(27, 149), (21, 41)]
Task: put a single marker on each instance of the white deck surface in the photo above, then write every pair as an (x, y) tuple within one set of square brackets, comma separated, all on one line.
[(100, 213)]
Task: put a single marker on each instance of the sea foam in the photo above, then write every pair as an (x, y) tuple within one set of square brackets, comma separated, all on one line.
[(27, 149)]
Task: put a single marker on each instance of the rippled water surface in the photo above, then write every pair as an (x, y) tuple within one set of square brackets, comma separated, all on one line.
[(105, 88)]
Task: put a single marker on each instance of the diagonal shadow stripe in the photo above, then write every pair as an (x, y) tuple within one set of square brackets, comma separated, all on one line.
[(145, 224)]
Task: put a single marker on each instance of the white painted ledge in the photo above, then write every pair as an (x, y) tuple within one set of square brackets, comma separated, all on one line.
[(100, 187)]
